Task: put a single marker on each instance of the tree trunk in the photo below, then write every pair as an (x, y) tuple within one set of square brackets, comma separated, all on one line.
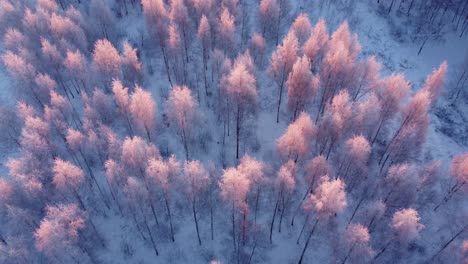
[(170, 217), (196, 221), (302, 229), (237, 130), (449, 242), (307, 242), (273, 221)]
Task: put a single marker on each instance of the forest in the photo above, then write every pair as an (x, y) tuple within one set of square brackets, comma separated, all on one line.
[(233, 131)]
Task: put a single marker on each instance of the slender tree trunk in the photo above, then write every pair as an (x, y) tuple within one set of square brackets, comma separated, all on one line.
[(238, 127), (280, 96), (449, 242), (257, 198), (151, 238), (307, 242), (303, 228), (170, 217), (233, 228), (355, 210), (382, 251), (273, 221), (196, 221), (347, 255)]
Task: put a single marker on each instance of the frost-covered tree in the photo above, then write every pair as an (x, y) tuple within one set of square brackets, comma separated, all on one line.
[(406, 225), (268, 15), (160, 174), (107, 61), (226, 30), (204, 34), (282, 61), (257, 47), (302, 86), (295, 142), (392, 90), (132, 67), (316, 45), (182, 111), (357, 242), (235, 186), (328, 199), (68, 178), (302, 28), (196, 181), (459, 172), (285, 183), (143, 110), (254, 170), (355, 158), (335, 122), (58, 235), (242, 91)]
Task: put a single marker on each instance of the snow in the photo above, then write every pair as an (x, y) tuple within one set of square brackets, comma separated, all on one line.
[(375, 37)]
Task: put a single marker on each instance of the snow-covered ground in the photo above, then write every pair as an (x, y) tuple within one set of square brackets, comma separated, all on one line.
[(375, 37)]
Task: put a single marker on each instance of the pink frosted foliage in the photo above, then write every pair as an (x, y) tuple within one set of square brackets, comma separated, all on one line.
[(252, 168), (283, 59), (285, 179), (406, 224), (143, 109), (316, 45), (158, 172), (329, 198), (357, 239), (107, 59), (302, 85), (302, 27), (226, 27), (136, 152), (358, 150), (316, 168), (59, 230), (121, 95), (234, 187), (295, 142), (182, 108), (435, 81), (67, 176), (196, 178), (114, 172), (459, 168)]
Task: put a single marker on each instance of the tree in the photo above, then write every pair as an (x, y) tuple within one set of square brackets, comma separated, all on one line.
[(285, 183), (257, 47), (226, 30), (234, 187), (101, 14), (316, 45), (157, 20), (143, 110), (295, 142), (179, 16), (254, 170), (368, 77), (401, 180), (242, 90), (302, 86), (302, 28), (182, 111), (337, 71), (406, 225), (76, 67), (59, 232), (393, 89), (356, 240), (335, 122), (282, 61), (135, 193), (269, 13), (160, 174), (122, 99), (196, 181), (459, 171), (204, 34), (355, 158), (132, 67), (107, 61), (435, 82), (328, 199), (68, 178)]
